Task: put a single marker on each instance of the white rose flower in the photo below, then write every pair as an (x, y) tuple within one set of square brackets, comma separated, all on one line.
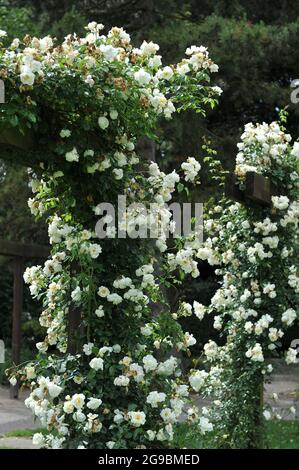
[(78, 400), (54, 390), (113, 114), (30, 372), (27, 76), (142, 77), (94, 403), (109, 52), (65, 133), (100, 312), (166, 73), (151, 435), (199, 310), (13, 381), (103, 291), (155, 61), (76, 294), (115, 299), (95, 250), (168, 415), (197, 379), (149, 363), (79, 417), (87, 348), (103, 122), (280, 202), (205, 425), (154, 398), (255, 353), (149, 48), (121, 381), (295, 150), (118, 173), (38, 439), (291, 356), (146, 330), (68, 407), (97, 363), (289, 316), (72, 156), (110, 444), (137, 418), (267, 415)]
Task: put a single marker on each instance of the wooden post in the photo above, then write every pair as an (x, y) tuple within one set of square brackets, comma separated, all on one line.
[(18, 270), (74, 320), (258, 189), (19, 253)]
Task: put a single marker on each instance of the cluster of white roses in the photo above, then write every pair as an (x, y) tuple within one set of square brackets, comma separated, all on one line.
[(191, 169), (111, 386), (255, 249), (40, 57), (271, 144)]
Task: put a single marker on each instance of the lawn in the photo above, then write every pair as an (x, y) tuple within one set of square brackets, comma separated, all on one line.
[(279, 435)]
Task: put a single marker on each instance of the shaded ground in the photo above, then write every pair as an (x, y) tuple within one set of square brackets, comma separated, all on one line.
[(16, 443), (285, 383), (13, 413)]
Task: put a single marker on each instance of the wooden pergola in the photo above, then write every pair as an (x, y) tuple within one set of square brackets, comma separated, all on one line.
[(19, 253)]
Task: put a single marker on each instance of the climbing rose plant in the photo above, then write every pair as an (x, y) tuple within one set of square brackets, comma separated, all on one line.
[(257, 301), (81, 107)]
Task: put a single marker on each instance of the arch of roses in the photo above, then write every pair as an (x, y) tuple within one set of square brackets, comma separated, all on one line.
[(75, 112)]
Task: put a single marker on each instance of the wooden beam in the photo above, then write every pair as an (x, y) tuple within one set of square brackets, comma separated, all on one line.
[(18, 270), (13, 137), (231, 189), (258, 188), (26, 251)]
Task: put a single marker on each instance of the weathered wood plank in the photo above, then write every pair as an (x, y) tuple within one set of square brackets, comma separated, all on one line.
[(10, 248), (258, 188), (231, 189), (15, 138)]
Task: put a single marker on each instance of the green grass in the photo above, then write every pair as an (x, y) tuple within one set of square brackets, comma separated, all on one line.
[(24, 432), (283, 434), (279, 435)]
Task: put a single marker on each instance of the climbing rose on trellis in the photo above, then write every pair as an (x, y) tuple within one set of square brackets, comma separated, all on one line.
[(257, 301), (80, 107)]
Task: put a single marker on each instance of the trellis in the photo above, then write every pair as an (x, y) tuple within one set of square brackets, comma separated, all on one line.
[(16, 144), (258, 189)]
